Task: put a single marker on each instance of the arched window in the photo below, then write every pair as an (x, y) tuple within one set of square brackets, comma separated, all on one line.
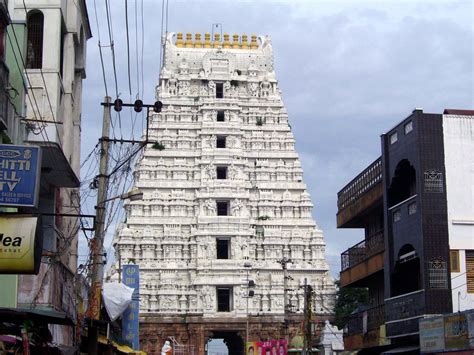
[(403, 184), (34, 50), (406, 276)]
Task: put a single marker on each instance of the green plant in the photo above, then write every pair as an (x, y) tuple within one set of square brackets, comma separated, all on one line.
[(259, 121), (348, 299), (158, 145), (263, 218)]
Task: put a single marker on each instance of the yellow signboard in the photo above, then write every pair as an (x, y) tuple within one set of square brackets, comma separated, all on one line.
[(17, 245)]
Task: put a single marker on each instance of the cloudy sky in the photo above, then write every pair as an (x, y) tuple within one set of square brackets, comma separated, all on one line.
[(348, 70)]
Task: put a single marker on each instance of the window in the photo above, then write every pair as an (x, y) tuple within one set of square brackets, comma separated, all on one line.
[(222, 208), (470, 271), (34, 50), (433, 181), (221, 172), (408, 127), (220, 142), (412, 208), (220, 116), (397, 216), (393, 138), (454, 258), (219, 90), (224, 299), (438, 275), (223, 248)]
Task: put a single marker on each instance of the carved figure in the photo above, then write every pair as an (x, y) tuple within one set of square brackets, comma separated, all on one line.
[(183, 87), (236, 207), (211, 171), (207, 297), (265, 88), (210, 207), (172, 86), (212, 88), (227, 87), (252, 89)]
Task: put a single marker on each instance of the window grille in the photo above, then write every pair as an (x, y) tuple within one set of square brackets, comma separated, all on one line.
[(397, 216), (393, 138), (34, 51), (470, 271), (438, 274), (433, 181)]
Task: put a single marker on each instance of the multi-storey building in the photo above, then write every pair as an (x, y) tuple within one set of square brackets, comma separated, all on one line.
[(46, 48), (422, 265), (223, 203)]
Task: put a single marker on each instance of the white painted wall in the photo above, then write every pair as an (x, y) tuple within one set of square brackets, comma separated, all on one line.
[(458, 133)]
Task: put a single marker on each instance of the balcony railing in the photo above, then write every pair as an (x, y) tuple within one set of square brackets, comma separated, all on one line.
[(405, 306), (375, 318), (362, 251), (360, 184)]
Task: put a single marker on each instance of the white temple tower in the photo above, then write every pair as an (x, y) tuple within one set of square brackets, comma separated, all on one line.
[(225, 198)]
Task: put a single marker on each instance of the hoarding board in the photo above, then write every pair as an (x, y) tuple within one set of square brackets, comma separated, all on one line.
[(20, 168), (456, 332), (271, 347), (130, 320), (20, 245), (470, 324), (431, 334)]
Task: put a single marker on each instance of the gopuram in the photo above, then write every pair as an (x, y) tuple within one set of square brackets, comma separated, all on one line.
[(224, 234)]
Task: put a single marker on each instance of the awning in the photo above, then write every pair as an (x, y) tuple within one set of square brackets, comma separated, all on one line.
[(122, 348), (402, 349), (55, 168), (18, 315)]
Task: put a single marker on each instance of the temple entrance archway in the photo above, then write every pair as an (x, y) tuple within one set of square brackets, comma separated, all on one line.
[(232, 339)]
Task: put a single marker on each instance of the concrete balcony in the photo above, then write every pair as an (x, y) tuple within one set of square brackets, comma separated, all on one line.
[(359, 196), (363, 329), (403, 312), (362, 260)]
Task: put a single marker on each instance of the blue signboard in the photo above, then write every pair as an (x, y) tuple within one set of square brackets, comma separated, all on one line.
[(130, 324), (19, 175)]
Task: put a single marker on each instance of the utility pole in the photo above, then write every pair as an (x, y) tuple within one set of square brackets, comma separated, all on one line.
[(97, 245), (308, 291), (283, 262)]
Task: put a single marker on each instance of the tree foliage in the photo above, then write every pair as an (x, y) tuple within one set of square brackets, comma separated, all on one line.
[(347, 300)]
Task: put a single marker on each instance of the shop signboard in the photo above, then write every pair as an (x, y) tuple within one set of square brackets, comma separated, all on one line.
[(456, 332), (19, 175), (431, 334), (20, 244), (470, 325), (130, 320)]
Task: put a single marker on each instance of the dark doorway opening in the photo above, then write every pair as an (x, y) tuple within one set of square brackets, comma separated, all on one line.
[(219, 90), (222, 248), (224, 299), (230, 339)]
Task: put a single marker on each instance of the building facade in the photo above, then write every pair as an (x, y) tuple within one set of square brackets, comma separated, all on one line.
[(224, 203), (427, 231), (46, 52)]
